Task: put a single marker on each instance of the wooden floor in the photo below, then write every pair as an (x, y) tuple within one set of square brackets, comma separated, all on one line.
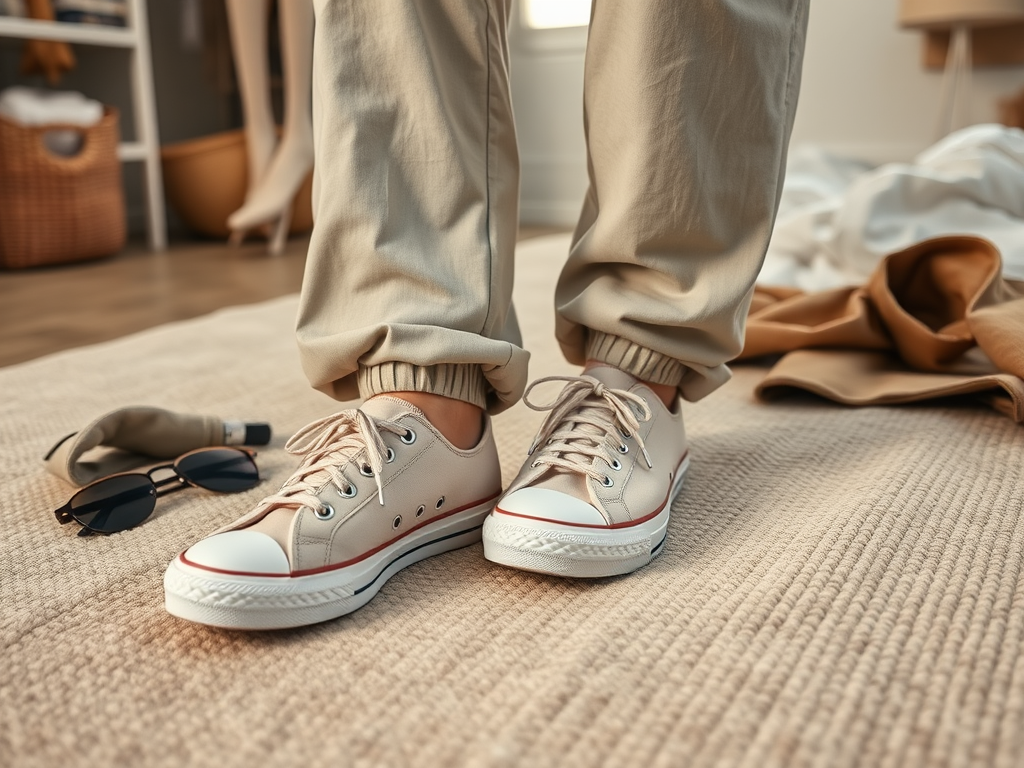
[(45, 310)]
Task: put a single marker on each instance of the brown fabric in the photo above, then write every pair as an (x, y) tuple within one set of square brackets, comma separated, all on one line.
[(934, 320), (49, 57)]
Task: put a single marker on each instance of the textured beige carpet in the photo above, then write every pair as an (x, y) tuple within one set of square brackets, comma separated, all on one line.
[(840, 587)]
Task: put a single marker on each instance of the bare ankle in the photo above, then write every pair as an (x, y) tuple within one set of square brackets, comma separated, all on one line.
[(665, 392), (460, 422)]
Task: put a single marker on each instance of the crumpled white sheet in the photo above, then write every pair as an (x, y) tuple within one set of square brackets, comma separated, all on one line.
[(838, 217)]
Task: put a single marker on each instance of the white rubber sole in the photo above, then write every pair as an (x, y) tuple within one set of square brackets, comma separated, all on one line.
[(267, 602), (543, 546)]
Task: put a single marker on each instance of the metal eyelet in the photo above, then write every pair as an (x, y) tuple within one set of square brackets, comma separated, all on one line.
[(408, 438), (349, 492), (534, 465), (420, 510), (625, 433), (391, 455), (607, 482), (615, 464), (623, 448), (440, 503), (397, 521), (366, 470), (325, 513)]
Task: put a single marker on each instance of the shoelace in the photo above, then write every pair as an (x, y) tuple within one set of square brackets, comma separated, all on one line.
[(581, 425), (325, 444)]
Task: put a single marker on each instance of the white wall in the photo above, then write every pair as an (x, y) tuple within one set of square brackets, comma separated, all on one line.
[(547, 97), (865, 93)]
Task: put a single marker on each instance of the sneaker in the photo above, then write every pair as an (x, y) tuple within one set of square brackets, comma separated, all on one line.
[(379, 488), (595, 495)]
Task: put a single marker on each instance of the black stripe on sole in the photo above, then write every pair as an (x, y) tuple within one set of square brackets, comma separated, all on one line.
[(421, 546), (663, 540)]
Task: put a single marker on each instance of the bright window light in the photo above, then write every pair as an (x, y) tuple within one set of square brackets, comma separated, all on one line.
[(551, 14)]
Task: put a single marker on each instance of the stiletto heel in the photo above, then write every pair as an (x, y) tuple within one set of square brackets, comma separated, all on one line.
[(280, 236)]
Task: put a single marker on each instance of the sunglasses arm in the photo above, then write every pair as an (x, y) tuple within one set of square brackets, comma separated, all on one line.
[(64, 517), (63, 514)]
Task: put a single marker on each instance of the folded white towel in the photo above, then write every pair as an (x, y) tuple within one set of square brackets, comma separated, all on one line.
[(34, 106)]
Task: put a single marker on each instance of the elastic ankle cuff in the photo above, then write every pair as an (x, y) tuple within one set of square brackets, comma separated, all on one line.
[(454, 380), (644, 363)]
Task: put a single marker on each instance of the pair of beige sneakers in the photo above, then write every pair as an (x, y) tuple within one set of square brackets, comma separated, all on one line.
[(379, 488)]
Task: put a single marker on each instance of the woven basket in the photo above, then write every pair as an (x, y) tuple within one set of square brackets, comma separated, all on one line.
[(57, 209)]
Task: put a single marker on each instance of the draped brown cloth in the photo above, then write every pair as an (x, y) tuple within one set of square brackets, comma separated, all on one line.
[(935, 320)]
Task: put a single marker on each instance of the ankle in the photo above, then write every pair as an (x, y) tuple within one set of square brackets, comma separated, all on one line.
[(460, 422), (665, 392)]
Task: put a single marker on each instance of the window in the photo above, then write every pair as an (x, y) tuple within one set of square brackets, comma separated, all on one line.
[(555, 14)]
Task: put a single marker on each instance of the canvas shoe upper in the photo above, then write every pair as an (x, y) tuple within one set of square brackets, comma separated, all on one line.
[(594, 496), (379, 488)]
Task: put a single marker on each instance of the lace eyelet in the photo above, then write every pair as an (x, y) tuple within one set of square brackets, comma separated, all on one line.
[(615, 464), (397, 521), (326, 512), (607, 482), (440, 503), (623, 448), (420, 510), (390, 456), (366, 470), (408, 438), (625, 433), (349, 492)]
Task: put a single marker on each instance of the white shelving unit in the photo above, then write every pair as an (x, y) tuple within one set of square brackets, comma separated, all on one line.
[(135, 39)]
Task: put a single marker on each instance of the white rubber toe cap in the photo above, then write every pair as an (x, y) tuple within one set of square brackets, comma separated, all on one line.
[(239, 551), (551, 505)]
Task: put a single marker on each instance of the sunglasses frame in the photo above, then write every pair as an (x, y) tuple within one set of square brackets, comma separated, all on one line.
[(170, 484)]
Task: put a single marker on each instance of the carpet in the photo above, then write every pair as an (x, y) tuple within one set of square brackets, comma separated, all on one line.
[(840, 587)]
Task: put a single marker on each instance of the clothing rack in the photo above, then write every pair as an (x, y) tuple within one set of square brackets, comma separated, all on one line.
[(135, 39)]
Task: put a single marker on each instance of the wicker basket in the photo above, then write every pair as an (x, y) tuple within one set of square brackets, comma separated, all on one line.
[(57, 209)]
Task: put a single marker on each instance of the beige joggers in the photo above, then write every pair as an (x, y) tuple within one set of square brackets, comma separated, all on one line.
[(688, 108)]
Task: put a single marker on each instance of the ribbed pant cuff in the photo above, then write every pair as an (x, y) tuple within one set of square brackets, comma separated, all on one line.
[(454, 380), (645, 364)]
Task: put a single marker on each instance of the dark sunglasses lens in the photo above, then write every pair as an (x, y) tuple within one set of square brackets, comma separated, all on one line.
[(114, 504), (219, 469)]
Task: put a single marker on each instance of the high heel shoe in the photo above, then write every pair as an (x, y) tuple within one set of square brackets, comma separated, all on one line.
[(270, 203)]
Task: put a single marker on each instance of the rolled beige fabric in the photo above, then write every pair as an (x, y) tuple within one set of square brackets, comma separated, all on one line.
[(137, 435)]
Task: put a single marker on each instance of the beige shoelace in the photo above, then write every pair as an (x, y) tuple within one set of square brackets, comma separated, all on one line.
[(325, 445), (587, 421)]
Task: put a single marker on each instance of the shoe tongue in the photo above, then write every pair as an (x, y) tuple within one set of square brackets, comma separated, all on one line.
[(386, 408), (611, 377), (575, 483)]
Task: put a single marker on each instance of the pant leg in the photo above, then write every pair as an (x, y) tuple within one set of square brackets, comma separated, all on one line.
[(408, 281), (688, 109)]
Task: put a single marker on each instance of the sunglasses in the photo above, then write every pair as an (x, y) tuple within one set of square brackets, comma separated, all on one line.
[(120, 502)]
